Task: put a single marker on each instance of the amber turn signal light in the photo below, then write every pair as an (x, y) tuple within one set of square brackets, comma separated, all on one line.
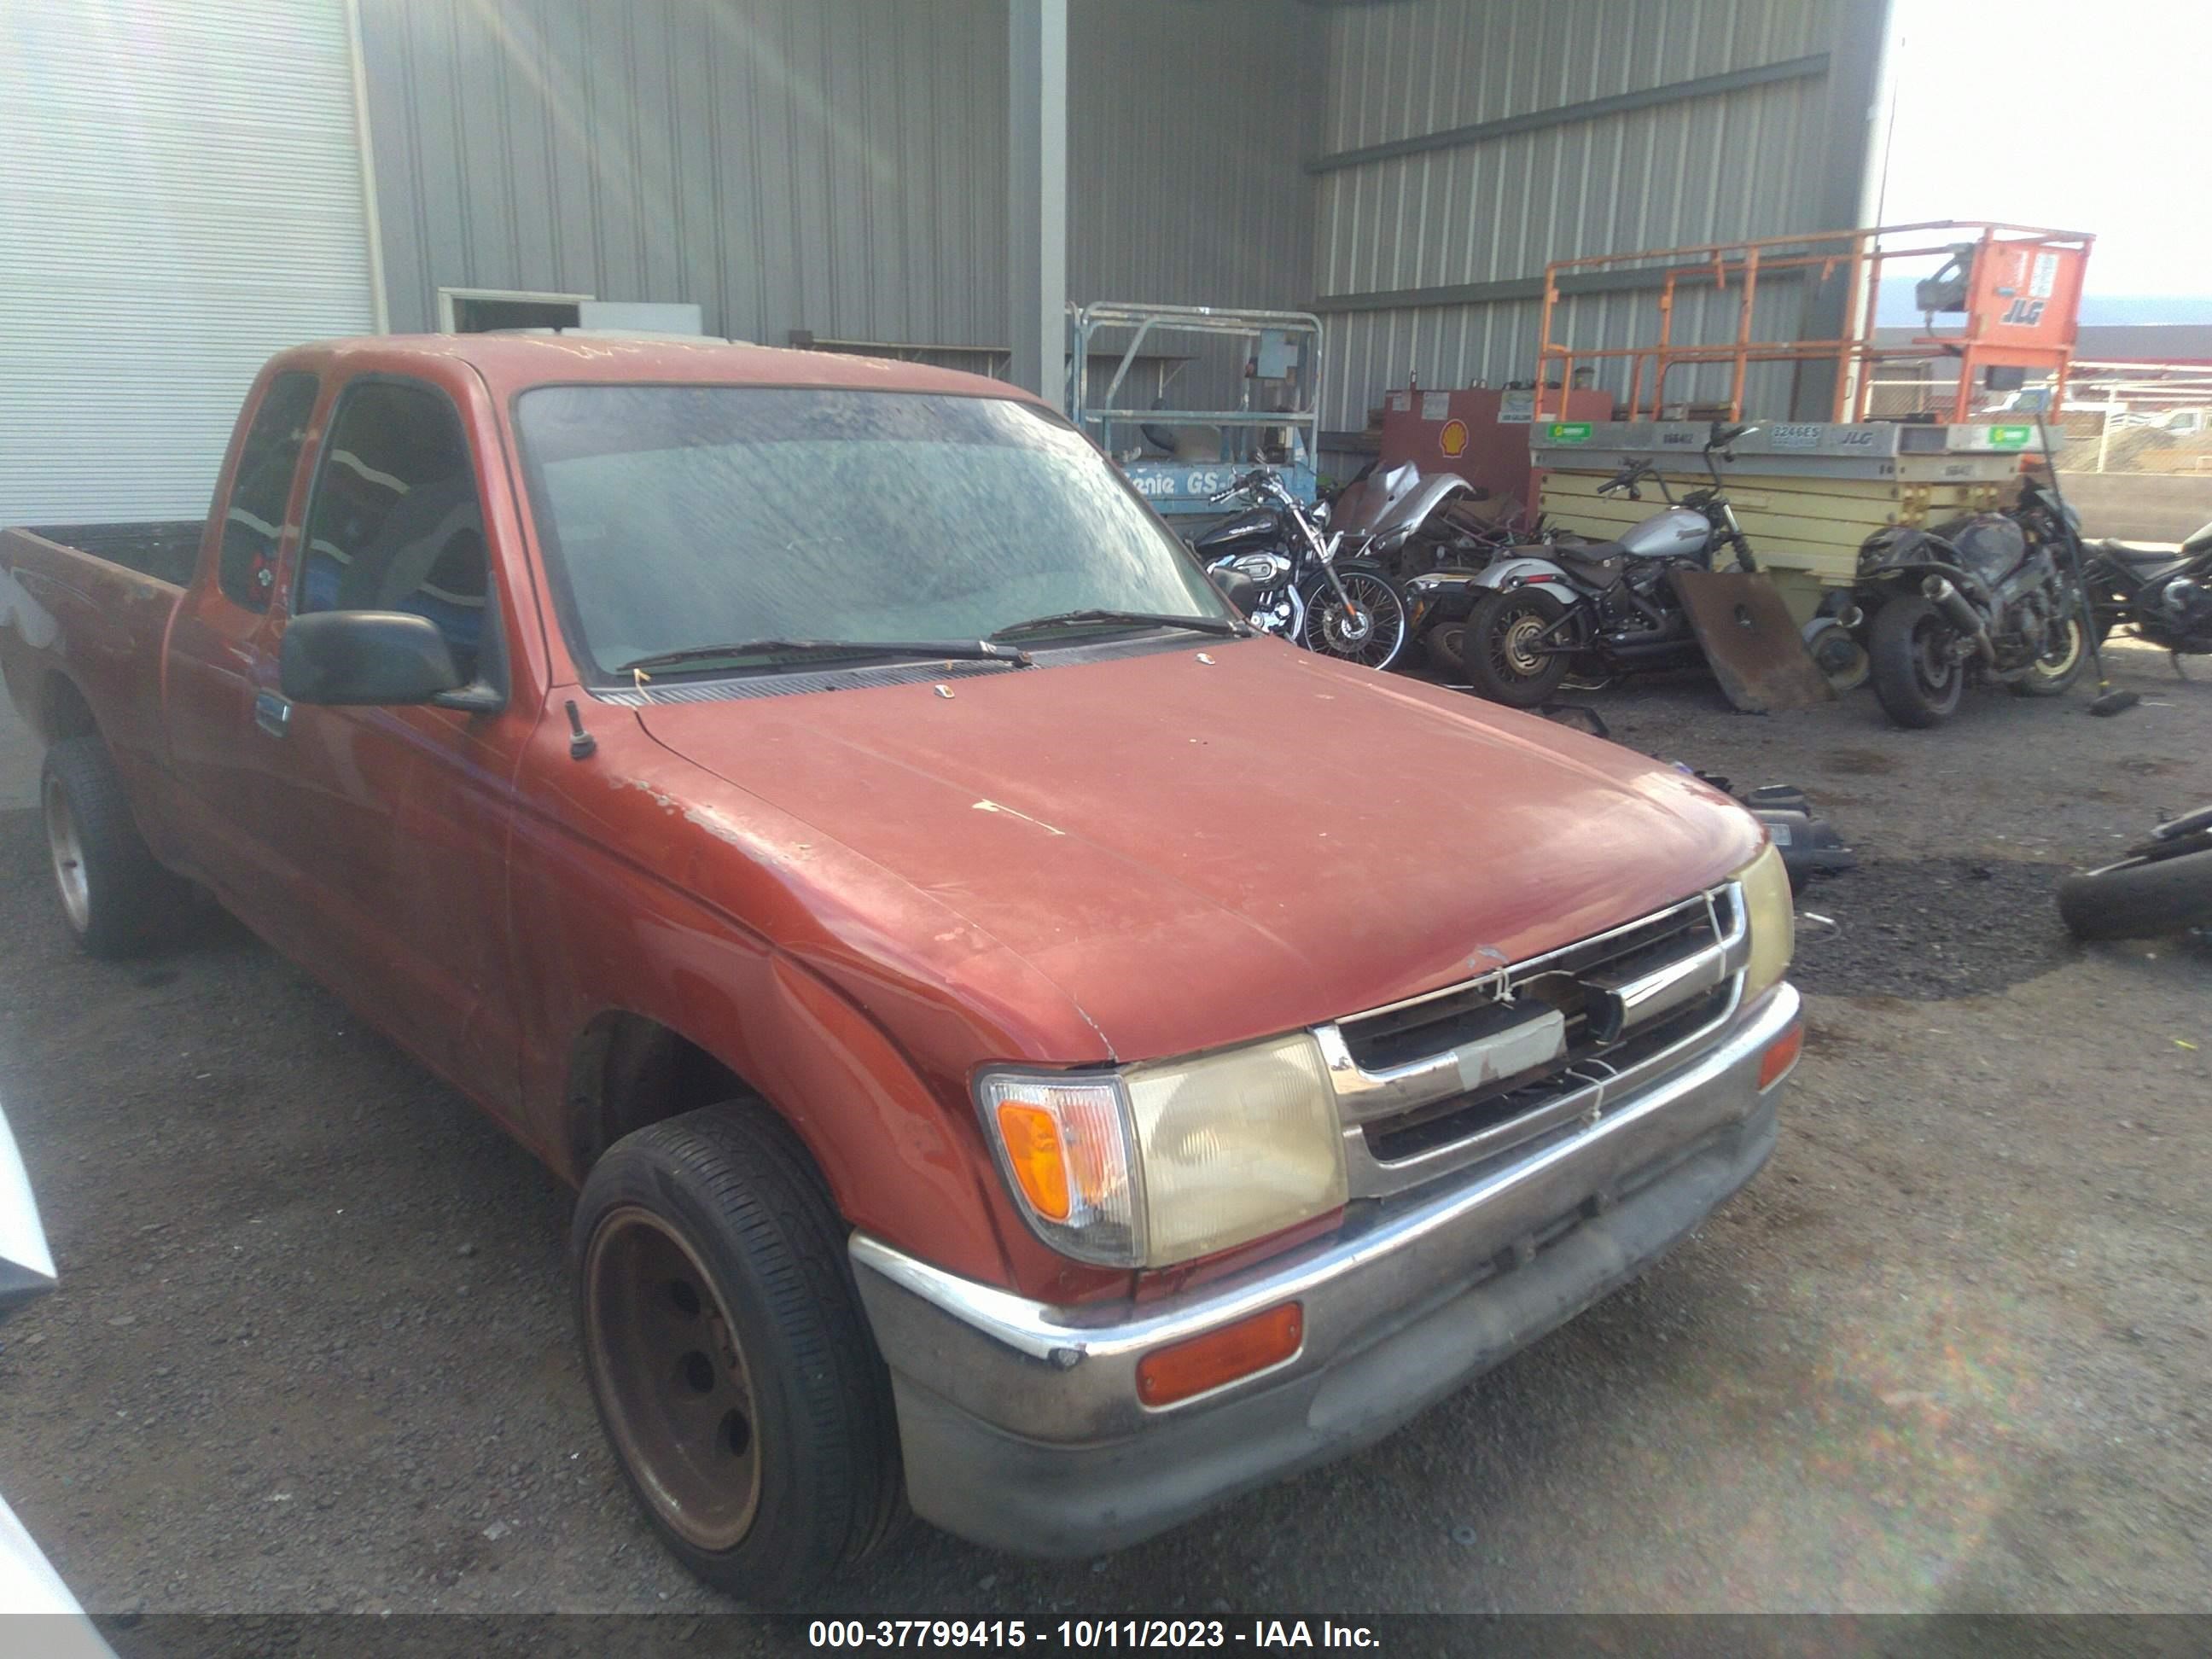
[(1036, 1156), (1184, 1369), (1781, 1054)]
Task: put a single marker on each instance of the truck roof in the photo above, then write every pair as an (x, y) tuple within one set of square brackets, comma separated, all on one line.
[(512, 362)]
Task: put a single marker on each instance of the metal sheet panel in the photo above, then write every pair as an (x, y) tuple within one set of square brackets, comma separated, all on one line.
[(833, 165), (1740, 163), (837, 166), (181, 195)]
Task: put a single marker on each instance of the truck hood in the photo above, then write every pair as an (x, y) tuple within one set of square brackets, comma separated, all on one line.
[(1203, 846)]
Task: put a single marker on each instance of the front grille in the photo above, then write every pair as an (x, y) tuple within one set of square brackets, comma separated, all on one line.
[(1425, 1129), (1458, 1126), (1392, 1036)]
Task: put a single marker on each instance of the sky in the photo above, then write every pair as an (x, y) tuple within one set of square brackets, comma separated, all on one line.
[(2087, 115)]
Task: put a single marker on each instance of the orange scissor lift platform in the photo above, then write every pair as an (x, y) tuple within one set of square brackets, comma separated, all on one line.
[(1809, 491)]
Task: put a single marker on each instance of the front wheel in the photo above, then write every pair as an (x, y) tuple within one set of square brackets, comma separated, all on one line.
[(2059, 666), (732, 1368), (1915, 674), (1370, 630), (1837, 654), (1504, 649)]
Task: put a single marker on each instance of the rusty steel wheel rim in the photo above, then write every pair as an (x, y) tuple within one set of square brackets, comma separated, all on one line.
[(1514, 650), (673, 1378), (66, 848)]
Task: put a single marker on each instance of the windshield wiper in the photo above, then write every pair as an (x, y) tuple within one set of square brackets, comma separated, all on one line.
[(1218, 625), (920, 650)]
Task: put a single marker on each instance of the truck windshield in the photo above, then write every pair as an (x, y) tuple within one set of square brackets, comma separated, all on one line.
[(676, 517)]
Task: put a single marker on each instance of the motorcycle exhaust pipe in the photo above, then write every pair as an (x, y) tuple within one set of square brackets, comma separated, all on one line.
[(1849, 617), (1960, 615)]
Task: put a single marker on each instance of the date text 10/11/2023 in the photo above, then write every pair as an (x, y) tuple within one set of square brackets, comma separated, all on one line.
[(1087, 1634)]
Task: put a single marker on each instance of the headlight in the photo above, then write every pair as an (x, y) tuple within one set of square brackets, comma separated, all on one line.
[(1771, 914), (1157, 1164)]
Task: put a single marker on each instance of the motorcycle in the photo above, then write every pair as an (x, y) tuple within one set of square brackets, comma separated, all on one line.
[(1991, 594), (1405, 520), (2162, 590), (1610, 601), (1302, 591), (1423, 531), (2162, 886)]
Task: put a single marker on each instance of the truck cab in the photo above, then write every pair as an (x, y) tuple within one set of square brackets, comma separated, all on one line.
[(1021, 1050)]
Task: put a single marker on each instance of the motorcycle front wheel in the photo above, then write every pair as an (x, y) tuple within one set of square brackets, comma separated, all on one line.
[(1370, 631), (2058, 667), (1501, 650), (1914, 675)]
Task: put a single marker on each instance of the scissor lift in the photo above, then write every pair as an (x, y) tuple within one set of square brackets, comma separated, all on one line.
[(2002, 309), (1212, 446)]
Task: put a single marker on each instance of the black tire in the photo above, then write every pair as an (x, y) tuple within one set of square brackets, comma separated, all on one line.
[(1441, 645), (800, 1476), (2139, 898), (117, 899), (1837, 654), (1909, 637), (1492, 654), (1388, 617), (2058, 669)]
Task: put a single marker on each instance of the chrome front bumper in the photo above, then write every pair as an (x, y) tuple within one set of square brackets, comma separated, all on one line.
[(1020, 1422)]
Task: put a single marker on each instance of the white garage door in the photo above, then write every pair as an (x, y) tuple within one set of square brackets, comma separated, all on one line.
[(180, 194)]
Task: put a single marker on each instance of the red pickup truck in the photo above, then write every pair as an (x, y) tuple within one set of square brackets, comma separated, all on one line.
[(1030, 1049)]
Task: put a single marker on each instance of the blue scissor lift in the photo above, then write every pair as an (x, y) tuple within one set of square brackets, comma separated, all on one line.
[(1181, 457)]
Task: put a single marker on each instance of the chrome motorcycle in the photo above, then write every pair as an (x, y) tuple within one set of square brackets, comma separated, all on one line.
[(1302, 590), (1611, 602)]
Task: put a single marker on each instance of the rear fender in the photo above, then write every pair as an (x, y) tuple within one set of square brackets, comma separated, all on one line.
[(1522, 573)]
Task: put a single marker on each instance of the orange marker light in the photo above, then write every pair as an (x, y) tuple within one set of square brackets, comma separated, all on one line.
[(1781, 1054), (1037, 1158), (1177, 1372)]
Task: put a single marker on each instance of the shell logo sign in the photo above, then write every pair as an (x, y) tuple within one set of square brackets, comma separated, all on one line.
[(1453, 438)]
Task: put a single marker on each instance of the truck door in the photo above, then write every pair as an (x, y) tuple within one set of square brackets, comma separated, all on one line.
[(214, 647), (393, 823)]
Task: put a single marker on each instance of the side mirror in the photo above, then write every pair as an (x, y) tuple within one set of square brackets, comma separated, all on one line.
[(373, 657), (1239, 589)]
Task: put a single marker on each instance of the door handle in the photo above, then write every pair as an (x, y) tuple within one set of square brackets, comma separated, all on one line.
[(272, 713)]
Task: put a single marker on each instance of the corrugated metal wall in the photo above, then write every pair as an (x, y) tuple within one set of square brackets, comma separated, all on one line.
[(837, 166), (1734, 164)]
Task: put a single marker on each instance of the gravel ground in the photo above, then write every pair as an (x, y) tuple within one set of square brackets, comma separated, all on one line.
[(313, 1349)]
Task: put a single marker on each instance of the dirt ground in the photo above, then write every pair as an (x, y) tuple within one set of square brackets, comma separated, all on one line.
[(313, 1349)]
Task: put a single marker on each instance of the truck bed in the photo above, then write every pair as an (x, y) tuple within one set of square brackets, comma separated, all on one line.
[(166, 549), (84, 609)]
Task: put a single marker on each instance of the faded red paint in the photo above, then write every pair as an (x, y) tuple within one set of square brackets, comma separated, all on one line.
[(853, 900)]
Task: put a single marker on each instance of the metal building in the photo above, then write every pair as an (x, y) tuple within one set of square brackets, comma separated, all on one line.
[(186, 185)]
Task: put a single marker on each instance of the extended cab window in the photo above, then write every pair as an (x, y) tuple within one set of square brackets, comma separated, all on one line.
[(684, 517), (254, 517), (394, 522)]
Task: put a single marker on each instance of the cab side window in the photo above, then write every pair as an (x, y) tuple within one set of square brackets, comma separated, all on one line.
[(394, 523), (253, 519)]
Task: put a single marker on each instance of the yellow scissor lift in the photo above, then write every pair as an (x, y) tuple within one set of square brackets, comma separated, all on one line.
[(1809, 493)]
